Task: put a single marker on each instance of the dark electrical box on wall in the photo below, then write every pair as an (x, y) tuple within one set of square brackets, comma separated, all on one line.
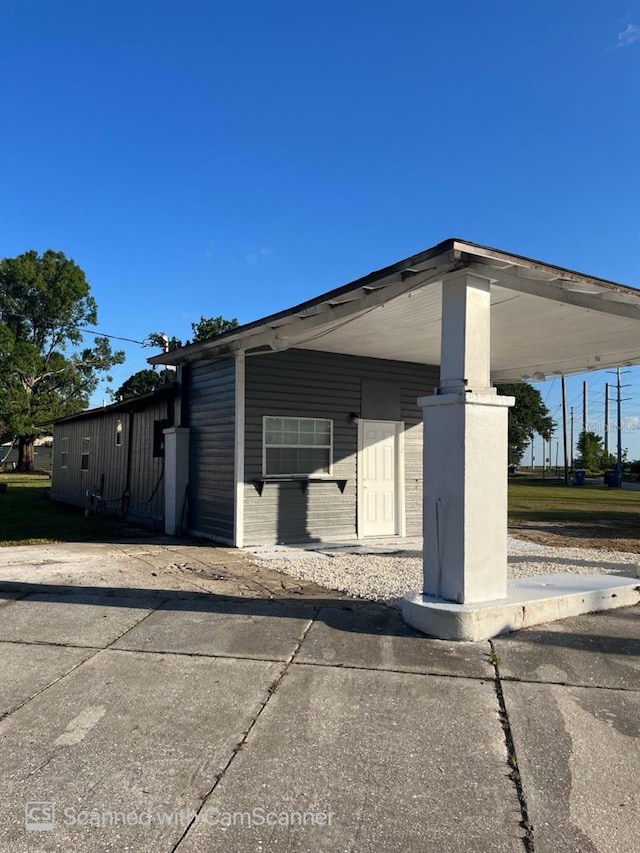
[(158, 436)]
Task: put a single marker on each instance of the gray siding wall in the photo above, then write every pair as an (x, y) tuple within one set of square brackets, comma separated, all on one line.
[(42, 458), (211, 418), (108, 460), (304, 383)]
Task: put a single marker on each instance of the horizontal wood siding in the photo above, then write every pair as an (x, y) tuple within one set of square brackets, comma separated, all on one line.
[(211, 409), (303, 383), (108, 463)]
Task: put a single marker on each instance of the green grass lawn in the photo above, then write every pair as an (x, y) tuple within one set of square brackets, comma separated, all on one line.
[(550, 500), (29, 517)]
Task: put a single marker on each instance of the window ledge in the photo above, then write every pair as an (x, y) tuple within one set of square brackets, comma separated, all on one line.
[(341, 482)]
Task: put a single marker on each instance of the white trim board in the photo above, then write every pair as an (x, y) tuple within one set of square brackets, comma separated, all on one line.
[(238, 514)]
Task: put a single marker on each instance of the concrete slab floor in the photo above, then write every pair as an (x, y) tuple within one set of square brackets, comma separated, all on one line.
[(79, 620), (406, 760), (599, 650), (380, 639), (240, 628), (147, 568), (385, 754), (28, 668), (578, 754), (125, 732)]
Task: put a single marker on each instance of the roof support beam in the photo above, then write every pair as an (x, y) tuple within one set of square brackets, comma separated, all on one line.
[(327, 317), (605, 301)]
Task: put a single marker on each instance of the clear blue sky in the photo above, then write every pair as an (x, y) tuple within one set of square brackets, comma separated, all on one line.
[(204, 158)]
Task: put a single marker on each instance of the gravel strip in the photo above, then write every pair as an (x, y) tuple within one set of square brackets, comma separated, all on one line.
[(387, 577)]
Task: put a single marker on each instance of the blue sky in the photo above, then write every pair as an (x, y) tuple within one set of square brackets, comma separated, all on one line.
[(234, 158)]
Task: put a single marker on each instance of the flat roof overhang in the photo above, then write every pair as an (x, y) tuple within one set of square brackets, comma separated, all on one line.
[(545, 320)]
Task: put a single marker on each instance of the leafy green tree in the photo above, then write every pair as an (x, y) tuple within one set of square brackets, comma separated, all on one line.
[(143, 382), (147, 380), (211, 327), (203, 330), (527, 416), (44, 374), (590, 451)]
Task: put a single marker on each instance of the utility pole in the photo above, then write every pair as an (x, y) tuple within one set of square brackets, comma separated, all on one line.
[(619, 431), (564, 432), (532, 456), (619, 402), (572, 439), (606, 420), (557, 450), (584, 406)]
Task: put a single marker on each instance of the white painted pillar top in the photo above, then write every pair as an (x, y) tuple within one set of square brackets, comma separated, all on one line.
[(465, 349)]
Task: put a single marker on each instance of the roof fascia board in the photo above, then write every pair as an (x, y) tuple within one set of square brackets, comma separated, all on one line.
[(475, 251), (299, 328), (199, 351), (554, 290), (287, 331)]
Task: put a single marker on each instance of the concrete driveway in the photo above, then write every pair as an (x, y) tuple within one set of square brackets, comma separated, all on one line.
[(172, 697)]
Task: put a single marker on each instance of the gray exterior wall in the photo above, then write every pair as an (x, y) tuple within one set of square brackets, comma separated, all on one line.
[(304, 383), (108, 462), (210, 407), (42, 458)]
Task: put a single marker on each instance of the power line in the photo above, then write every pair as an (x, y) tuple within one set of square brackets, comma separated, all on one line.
[(106, 335), (84, 329)]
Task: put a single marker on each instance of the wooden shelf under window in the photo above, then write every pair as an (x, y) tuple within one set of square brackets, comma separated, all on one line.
[(302, 481)]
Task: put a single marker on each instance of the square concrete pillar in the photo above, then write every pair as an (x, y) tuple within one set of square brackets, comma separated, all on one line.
[(465, 496), (176, 478), (465, 594)]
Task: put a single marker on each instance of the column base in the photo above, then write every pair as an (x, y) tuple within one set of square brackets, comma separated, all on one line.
[(529, 601)]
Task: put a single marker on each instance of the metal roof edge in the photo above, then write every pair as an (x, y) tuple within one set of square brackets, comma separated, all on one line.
[(228, 342), (131, 403)]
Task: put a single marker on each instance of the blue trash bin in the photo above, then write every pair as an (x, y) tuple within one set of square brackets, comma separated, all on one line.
[(615, 480), (578, 478)]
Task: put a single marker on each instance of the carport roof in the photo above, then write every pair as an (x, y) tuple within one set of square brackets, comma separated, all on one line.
[(544, 319)]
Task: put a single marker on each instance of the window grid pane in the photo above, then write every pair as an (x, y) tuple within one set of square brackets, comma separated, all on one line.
[(297, 446)]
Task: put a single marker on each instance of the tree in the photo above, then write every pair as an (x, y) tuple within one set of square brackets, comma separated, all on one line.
[(44, 302), (205, 329), (148, 380), (143, 382), (590, 450), (527, 416)]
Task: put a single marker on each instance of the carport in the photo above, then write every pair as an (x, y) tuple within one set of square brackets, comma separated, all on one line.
[(484, 316)]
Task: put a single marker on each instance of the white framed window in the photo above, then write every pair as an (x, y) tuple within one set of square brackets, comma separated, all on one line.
[(64, 452), (84, 458), (297, 447)]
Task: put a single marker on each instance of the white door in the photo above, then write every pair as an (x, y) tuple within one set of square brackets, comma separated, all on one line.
[(378, 485)]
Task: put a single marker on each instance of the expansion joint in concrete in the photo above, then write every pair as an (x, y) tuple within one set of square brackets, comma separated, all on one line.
[(512, 758), (239, 746)]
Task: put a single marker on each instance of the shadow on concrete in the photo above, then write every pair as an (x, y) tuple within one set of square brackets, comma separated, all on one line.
[(585, 641), (355, 616)]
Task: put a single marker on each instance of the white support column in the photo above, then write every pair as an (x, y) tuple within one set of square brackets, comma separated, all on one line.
[(176, 478), (465, 594), (238, 526), (465, 496), (465, 460), (465, 348)]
